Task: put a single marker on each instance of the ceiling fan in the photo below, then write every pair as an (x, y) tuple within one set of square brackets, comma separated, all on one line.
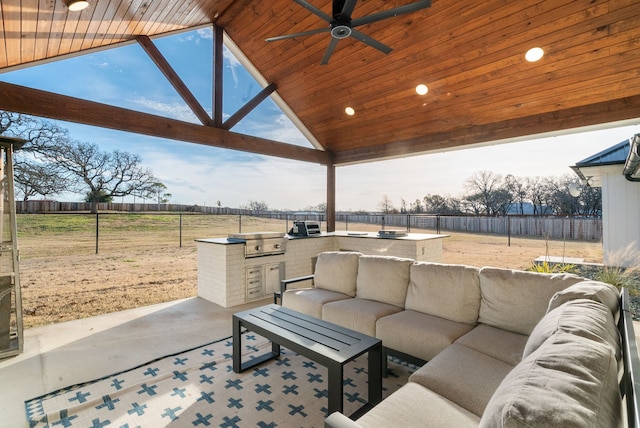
[(342, 26)]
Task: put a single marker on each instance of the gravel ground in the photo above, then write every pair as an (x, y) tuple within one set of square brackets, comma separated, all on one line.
[(589, 271)]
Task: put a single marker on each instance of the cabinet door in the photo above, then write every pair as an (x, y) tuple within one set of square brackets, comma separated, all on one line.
[(273, 275)]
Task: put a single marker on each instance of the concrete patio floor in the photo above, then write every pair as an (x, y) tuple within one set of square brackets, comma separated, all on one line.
[(64, 354)]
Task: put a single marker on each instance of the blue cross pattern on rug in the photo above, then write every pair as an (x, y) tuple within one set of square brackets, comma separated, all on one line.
[(198, 388)]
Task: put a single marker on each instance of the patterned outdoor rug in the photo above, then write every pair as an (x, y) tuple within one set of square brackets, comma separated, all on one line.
[(198, 388)]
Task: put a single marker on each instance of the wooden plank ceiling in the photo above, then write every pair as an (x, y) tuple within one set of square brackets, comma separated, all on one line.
[(469, 54)]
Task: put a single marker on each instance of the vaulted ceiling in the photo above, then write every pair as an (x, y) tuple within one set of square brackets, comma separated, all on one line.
[(469, 54)]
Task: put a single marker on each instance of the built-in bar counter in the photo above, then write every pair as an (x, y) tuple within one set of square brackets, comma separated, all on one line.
[(227, 278)]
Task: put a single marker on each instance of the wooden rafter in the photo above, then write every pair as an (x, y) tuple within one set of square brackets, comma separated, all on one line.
[(218, 63), (35, 102), (250, 105), (174, 79)]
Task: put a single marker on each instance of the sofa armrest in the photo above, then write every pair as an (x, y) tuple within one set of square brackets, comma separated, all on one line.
[(630, 383), (338, 420), (285, 282)]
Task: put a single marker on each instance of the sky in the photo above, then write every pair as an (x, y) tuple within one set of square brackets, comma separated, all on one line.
[(201, 175)]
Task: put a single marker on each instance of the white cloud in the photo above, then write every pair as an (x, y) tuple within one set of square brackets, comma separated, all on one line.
[(173, 110), (205, 33), (234, 64)]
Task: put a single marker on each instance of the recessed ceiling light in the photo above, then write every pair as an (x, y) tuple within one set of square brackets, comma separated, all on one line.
[(534, 54), (350, 111), (422, 89), (76, 5)]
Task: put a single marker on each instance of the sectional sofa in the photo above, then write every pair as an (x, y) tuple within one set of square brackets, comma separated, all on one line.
[(500, 347)]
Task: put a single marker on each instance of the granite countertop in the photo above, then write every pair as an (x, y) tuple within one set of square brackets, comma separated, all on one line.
[(350, 234), (408, 237)]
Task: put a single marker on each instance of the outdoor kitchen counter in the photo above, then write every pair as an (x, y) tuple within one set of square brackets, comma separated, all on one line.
[(223, 269)]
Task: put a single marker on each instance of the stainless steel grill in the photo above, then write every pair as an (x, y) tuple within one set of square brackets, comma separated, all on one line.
[(258, 244)]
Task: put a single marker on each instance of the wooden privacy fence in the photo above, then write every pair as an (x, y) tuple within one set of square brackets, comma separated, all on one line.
[(581, 229), (556, 227)]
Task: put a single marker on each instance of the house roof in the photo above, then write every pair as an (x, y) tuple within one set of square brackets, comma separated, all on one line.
[(469, 54), (614, 155), (625, 153)]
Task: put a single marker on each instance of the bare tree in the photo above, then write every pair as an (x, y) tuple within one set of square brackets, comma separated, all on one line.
[(159, 193), (386, 206), (35, 178), (257, 206), (486, 193), (106, 174), (591, 200), (416, 207), (403, 206), (518, 189)]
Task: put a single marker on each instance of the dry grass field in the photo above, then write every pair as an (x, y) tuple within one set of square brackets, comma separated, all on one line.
[(142, 263)]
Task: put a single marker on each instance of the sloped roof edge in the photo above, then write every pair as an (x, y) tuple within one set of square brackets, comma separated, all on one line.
[(615, 155)]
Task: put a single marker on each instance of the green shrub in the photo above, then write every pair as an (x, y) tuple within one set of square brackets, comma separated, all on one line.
[(546, 267)]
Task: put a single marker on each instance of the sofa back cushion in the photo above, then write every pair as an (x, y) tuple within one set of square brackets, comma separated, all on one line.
[(516, 300), (337, 271), (581, 317), (570, 381), (451, 292), (597, 291), (384, 279)]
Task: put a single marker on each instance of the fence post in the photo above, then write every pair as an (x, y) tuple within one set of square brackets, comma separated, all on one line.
[(239, 223), (408, 223), (97, 230), (508, 231), (181, 229)]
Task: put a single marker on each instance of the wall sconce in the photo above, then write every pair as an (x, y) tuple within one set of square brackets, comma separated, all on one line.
[(76, 5)]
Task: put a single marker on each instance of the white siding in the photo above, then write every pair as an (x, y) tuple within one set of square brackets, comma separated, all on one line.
[(620, 217)]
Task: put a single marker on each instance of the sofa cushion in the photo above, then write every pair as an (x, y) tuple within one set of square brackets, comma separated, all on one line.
[(601, 292), (416, 406), (310, 300), (446, 291), (463, 375), (582, 317), (417, 334), (337, 271), (516, 300), (570, 381), (357, 314), (383, 279), (503, 345)]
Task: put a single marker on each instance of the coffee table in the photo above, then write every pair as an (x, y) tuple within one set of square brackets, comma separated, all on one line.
[(325, 343)]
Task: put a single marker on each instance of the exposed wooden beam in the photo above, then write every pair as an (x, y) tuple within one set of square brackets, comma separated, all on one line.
[(35, 102), (593, 114), (174, 79), (246, 109), (218, 69)]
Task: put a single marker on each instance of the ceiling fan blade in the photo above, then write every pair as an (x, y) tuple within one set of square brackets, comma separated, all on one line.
[(304, 33), (347, 8), (329, 51), (314, 10), (400, 10), (370, 41)]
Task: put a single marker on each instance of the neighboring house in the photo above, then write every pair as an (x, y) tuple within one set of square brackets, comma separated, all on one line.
[(527, 208), (617, 171)]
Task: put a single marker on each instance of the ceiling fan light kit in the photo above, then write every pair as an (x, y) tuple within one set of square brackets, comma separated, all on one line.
[(341, 24)]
